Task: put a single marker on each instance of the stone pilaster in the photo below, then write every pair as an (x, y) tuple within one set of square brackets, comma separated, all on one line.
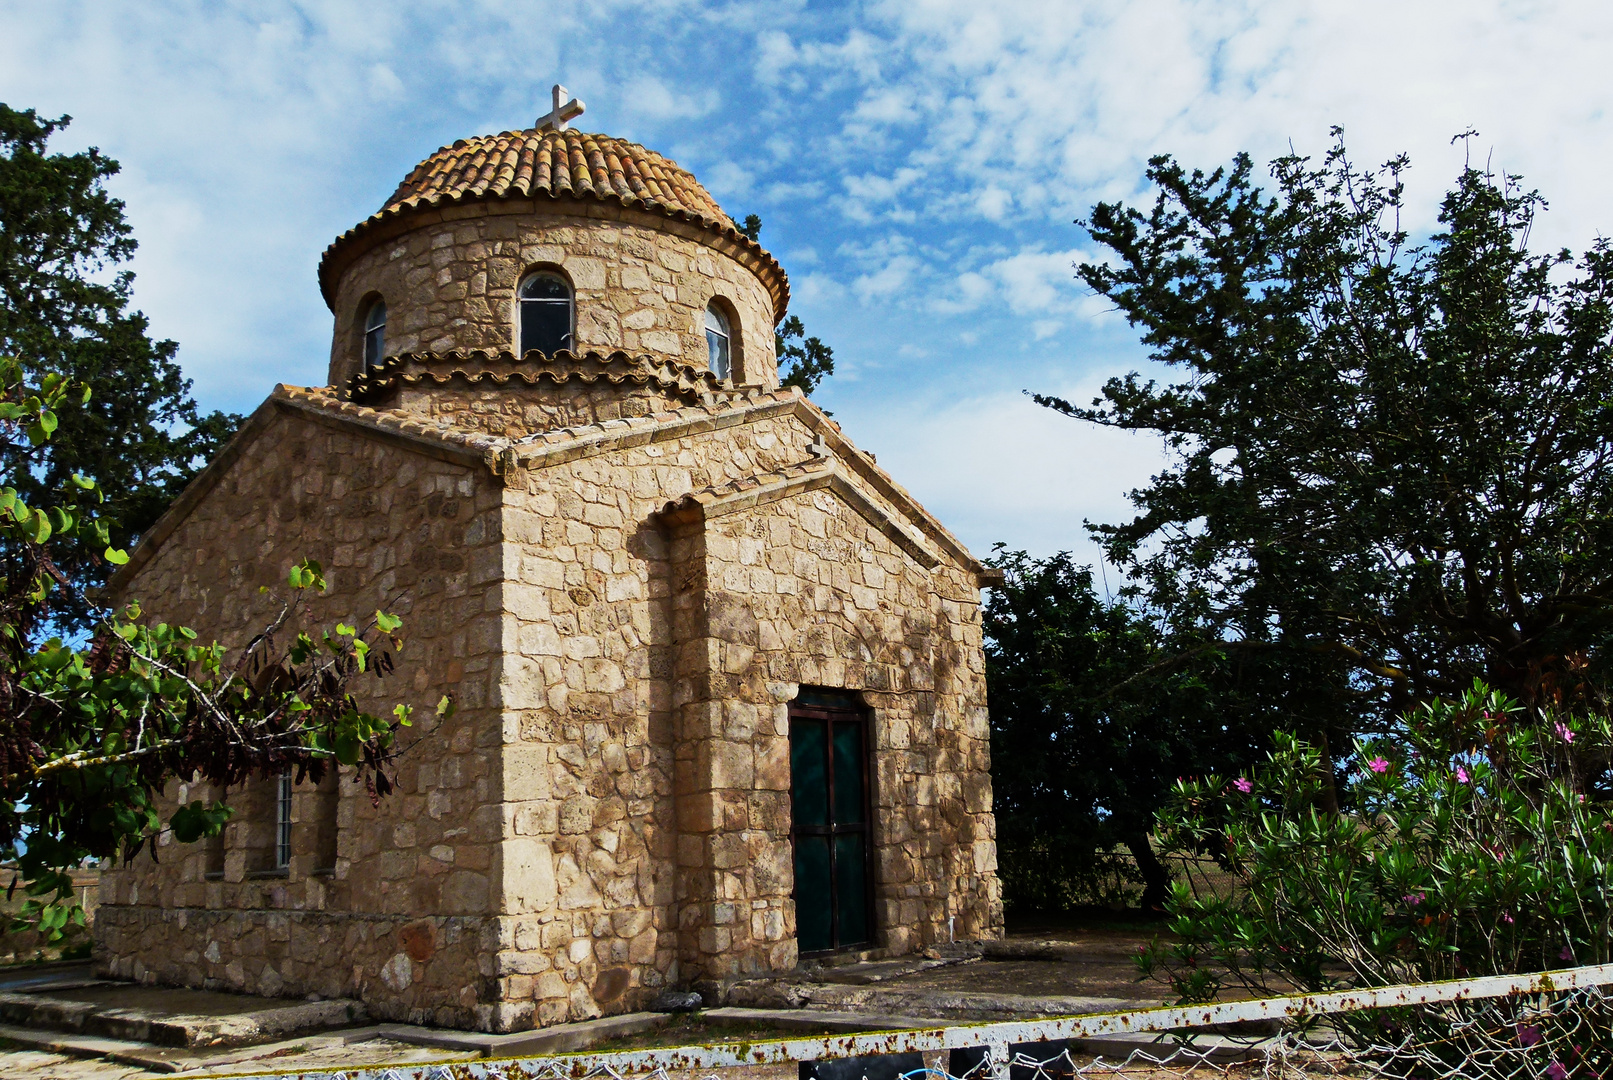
[(731, 776)]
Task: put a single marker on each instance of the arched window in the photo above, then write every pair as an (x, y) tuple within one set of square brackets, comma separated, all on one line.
[(545, 317), (718, 346), (374, 335)]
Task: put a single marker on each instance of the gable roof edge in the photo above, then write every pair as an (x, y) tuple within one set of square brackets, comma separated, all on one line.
[(152, 539), (566, 445), (868, 470), (280, 400), (765, 488)]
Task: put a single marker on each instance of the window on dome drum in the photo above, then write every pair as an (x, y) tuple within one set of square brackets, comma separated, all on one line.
[(545, 321), (374, 335), (717, 343)]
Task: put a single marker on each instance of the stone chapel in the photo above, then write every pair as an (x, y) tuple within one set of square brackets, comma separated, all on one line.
[(720, 691)]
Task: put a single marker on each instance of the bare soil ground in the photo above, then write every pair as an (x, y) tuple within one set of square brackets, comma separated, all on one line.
[(1092, 956)]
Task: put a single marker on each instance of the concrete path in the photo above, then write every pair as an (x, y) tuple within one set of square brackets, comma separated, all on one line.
[(109, 1031)]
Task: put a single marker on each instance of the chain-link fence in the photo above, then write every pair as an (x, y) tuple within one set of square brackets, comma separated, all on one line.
[(1549, 1036), (1552, 1026)]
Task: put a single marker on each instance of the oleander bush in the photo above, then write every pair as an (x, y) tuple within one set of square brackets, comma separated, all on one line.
[(1474, 840)]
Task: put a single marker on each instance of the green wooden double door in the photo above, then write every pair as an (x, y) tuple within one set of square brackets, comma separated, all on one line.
[(829, 802)]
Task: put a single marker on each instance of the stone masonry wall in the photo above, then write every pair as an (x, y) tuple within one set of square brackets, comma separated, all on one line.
[(607, 813), (640, 284), (587, 691), (648, 766), (804, 591), (515, 409), (405, 917)]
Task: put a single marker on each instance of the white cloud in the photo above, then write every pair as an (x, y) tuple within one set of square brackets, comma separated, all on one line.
[(972, 134), (815, 288), (776, 55), (1029, 282), (889, 279), (1001, 468), (796, 192), (727, 178), (1036, 281), (1071, 98), (993, 203), (653, 98), (887, 105), (384, 83), (872, 188)]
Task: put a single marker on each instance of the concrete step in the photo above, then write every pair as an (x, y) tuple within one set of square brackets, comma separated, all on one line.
[(560, 1039), (817, 1019), (85, 1046), (134, 1022), (883, 970), (164, 1059)]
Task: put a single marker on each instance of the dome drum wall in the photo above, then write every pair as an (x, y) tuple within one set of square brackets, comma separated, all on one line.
[(515, 412), (641, 281)]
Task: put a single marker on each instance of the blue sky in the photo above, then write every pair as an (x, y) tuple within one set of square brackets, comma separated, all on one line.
[(918, 165)]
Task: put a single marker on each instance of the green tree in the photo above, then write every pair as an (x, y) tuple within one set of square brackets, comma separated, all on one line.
[(64, 310), (803, 361), (1391, 466), (1092, 722), (90, 735)]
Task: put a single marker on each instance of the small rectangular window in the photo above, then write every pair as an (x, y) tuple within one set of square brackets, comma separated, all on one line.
[(282, 822)]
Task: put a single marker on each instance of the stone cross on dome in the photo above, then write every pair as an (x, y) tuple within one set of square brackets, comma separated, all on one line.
[(561, 114)]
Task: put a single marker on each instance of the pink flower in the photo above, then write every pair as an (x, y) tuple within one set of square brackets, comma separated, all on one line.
[(1563, 732), (1243, 785), (1566, 954), (1528, 1034), (1413, 898), (1508, 919), (1378, 765), (1461, 775), (1556, 1071)]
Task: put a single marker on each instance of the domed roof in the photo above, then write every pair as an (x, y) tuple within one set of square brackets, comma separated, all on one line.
[(560, 165), (555, 163)]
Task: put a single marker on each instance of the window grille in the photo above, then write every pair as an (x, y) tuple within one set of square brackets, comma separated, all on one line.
[(282, 823)]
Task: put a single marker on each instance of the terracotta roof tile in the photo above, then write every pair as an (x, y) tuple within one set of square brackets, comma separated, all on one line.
[(558, 164), (499, 368), (325, 398)]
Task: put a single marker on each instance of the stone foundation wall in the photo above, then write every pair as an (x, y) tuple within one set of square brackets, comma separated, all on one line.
[(641, 283), (395, 530), (410, 970)]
